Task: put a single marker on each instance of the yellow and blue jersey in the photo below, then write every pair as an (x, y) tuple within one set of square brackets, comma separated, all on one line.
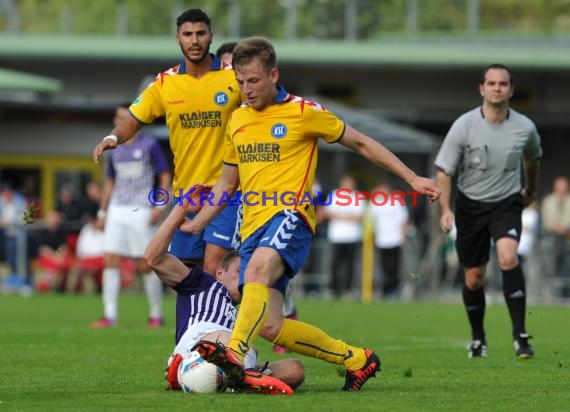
[(276, 152), (196, 112)]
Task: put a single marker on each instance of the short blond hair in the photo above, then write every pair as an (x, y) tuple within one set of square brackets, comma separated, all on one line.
[(252, 48)]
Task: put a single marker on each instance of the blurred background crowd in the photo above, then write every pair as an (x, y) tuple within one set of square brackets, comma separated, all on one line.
[(61, 249)]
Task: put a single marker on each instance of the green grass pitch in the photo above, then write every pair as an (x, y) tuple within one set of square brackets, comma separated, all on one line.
[(51, 360)]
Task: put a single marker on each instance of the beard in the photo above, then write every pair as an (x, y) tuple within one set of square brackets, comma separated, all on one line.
[(198, 60)]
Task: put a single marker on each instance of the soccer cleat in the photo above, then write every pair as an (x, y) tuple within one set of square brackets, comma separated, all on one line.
[(227, 359), (103, 323), (279, 349), (154, 323), (477, 349), (354, 380), (523, 349), (255, 381), (171, 373)]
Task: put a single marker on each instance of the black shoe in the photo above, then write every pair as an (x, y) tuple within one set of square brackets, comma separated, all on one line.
[(523, 349), (477, 349), (354, 380)]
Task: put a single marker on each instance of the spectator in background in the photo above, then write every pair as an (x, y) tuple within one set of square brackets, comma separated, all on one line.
[(12, 207), (344, 215), (54, 256), (556, 220), (94, 195), (224, 52), (391, 221), (69, 207)]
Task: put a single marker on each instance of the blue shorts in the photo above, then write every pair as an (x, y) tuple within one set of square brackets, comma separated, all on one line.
[(223, 231), (289, 235)]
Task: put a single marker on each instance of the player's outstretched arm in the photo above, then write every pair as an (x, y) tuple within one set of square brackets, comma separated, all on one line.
[(120, 134), (381, 156), (169, 268)]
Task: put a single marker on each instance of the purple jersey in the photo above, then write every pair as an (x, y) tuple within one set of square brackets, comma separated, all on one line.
[(134, 166), (201, 298)]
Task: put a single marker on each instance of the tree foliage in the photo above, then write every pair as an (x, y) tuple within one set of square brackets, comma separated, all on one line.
[(318, 19)]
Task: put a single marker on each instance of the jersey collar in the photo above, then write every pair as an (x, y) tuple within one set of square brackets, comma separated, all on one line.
[(216, 64), (483, 114), (282, 95)]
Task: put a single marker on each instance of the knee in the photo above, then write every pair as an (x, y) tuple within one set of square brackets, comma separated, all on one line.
[(256, 275), (508, 260), (474, 284), (474, 278)]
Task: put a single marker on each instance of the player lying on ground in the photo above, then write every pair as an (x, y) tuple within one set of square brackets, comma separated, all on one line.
[(205, 310)]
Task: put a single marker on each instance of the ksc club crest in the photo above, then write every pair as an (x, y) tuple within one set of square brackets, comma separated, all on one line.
[(221, 99), (279, 130)]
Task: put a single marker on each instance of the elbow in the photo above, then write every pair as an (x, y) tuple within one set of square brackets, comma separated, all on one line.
[(151, 258)]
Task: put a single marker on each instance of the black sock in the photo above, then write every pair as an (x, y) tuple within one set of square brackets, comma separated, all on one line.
[(515, 297), (474, 301)]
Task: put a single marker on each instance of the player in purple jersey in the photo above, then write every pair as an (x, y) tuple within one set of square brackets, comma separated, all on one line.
[(205, 310), (129, 219)]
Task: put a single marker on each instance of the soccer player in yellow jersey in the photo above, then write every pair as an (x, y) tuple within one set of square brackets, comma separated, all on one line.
[(271, 151), (196, 97)]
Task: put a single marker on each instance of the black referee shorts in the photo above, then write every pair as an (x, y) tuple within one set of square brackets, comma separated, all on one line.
[(478, 222)]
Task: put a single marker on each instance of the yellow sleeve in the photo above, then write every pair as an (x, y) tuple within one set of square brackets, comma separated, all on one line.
[(230, 155), (320, 123), (148, 106)]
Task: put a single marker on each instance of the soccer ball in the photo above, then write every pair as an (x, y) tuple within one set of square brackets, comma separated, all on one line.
[(195, 375)]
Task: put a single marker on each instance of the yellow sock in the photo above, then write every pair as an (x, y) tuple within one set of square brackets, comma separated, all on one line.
[(311, 341), (251, 317)]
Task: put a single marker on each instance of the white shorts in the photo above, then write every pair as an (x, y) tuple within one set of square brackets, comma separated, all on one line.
[(128, 230), (196, 332)]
